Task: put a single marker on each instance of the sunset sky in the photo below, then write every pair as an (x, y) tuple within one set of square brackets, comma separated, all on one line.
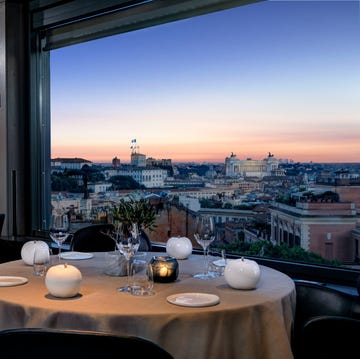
[(278, 76)]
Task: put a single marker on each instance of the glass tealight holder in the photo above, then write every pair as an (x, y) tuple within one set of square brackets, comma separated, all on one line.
[(165, 269)]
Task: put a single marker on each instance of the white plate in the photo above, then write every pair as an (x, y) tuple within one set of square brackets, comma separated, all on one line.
[(10, 281), (76, 255), (193, 299), (221, 262)]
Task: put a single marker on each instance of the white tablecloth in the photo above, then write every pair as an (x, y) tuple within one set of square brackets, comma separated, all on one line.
[(245, 324)]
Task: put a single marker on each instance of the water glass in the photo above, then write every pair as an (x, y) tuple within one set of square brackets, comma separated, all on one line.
[(141, 279), (41, 261)]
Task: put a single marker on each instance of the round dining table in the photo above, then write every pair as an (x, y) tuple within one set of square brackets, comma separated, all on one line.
[(244, 324)]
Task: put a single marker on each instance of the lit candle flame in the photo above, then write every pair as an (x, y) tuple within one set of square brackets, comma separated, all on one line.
[(163, 271)]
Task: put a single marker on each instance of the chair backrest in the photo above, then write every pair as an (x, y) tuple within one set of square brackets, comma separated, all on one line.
[(145, 243), (314, 300), (330, 337), (54, 343), (93, 238)]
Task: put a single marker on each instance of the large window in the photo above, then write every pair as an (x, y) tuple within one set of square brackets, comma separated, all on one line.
[(255, 106)]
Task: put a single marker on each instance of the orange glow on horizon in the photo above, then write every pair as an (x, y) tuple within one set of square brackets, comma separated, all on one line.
[(215, 154)]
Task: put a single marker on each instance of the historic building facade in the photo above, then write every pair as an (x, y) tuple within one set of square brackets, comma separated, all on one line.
[(234, 167), (321, 227)]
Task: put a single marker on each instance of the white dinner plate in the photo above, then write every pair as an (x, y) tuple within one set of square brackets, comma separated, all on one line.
[(221, 262), (193, 299), (10, 281), (76, 255)]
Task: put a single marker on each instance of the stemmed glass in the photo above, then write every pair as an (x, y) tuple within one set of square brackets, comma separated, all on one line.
[(59, 229), (204, 235), (127, 242)]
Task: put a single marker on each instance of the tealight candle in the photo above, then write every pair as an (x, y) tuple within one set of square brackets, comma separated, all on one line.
[(165, 268)]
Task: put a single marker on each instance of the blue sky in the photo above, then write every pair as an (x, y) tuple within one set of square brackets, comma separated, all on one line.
[(278, 76)]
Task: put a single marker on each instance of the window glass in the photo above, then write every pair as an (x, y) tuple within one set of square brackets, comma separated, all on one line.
[(248, 115)]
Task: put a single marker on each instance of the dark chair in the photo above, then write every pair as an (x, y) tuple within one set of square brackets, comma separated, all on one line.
[(145, 243), (2, 218), (314, 300), (330, 337), (93, 238), (74, 344)]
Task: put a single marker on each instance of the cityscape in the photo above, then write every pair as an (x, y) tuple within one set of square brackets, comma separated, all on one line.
[(248, 115), (313, 206)]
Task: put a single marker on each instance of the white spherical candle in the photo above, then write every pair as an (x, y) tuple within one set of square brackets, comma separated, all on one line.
[(28, 250), (179, 247), (242, 273), (63, 280)]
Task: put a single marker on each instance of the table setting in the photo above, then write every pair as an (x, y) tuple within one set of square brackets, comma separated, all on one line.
[(172, 315), (175, 298), (142, 270)]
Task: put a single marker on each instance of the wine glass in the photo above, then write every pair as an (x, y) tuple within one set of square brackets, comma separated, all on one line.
[(59, 229), (204, 235), (127, 242)]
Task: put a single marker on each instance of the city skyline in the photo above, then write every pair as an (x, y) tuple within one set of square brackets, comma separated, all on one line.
[(272, 76)]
